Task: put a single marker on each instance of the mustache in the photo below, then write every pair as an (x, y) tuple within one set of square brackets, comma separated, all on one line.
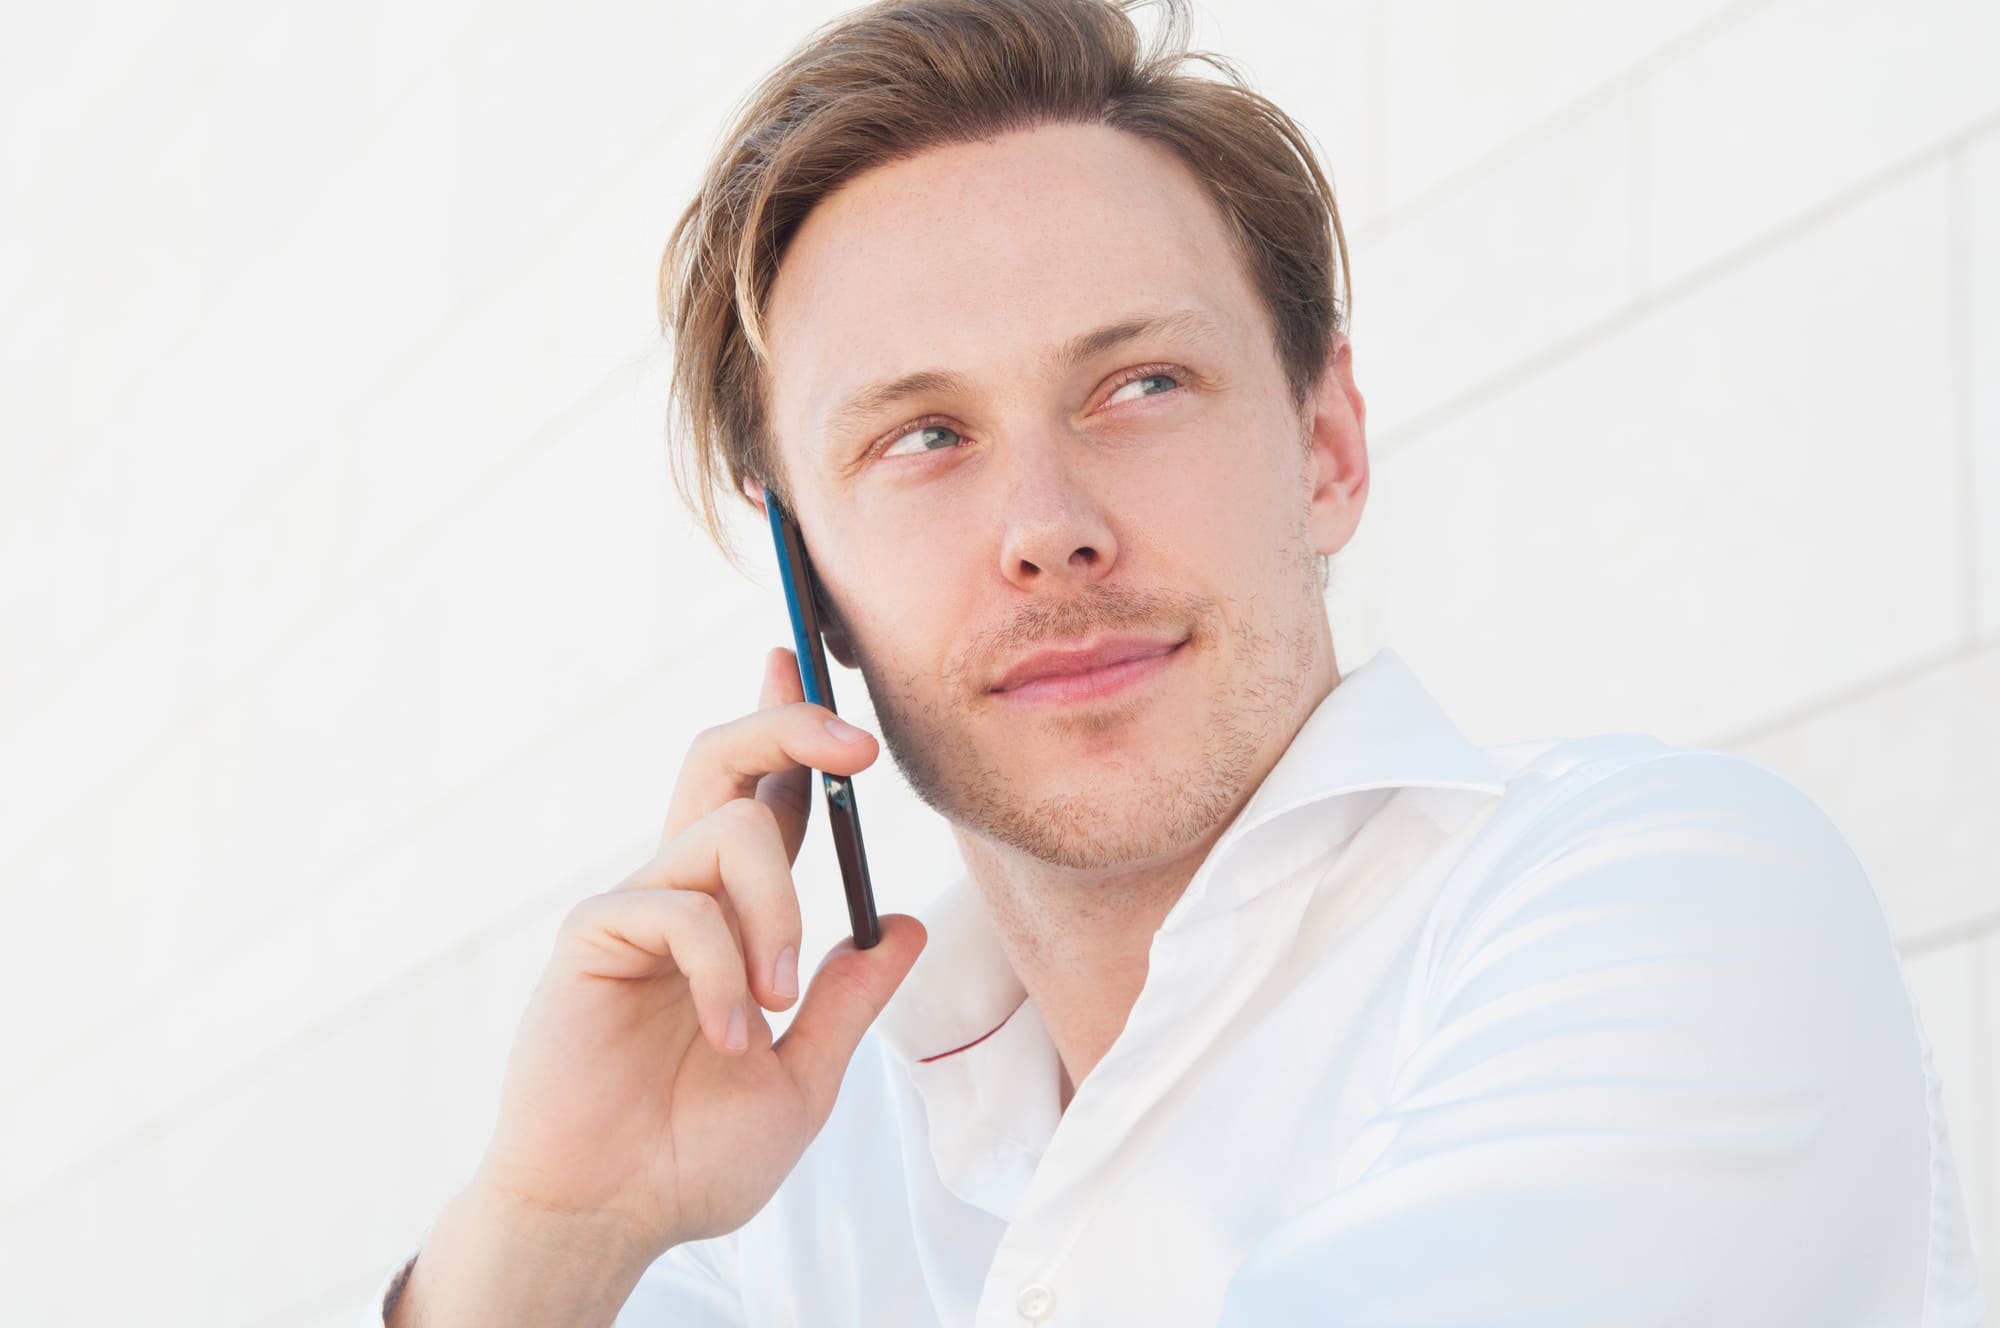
[(1106, 609)]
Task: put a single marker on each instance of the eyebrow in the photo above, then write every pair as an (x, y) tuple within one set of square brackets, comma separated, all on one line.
[(864, 405)]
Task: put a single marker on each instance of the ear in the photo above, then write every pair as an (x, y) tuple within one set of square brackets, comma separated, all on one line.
[(1338, 442), (833, 632)]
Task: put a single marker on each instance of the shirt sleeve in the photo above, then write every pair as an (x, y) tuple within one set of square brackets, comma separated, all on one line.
[(690, 1286), (1664, 1070), (386, 1295)]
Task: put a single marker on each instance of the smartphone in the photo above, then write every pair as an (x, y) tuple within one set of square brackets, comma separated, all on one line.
[(795, 570)]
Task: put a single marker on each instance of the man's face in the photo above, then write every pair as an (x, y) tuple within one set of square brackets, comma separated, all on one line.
[(1040, 489)]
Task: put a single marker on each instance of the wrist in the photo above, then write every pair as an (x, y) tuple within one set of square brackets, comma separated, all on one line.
[(611, 1238), (492, 1259)]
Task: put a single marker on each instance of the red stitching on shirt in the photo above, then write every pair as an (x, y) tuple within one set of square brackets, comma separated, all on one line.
[(926, 1060)]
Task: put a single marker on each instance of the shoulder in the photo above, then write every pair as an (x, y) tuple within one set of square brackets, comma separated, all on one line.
[(1657, 1061), (1555, 786), (1629, 813), (1704, 877)]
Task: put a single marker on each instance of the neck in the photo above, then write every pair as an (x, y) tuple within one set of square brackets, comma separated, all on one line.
[(1080, 939)]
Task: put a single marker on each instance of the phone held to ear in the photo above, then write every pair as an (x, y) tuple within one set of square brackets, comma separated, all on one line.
[(795, 570)]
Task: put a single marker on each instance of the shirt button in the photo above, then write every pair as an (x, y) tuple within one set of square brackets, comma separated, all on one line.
[(1035, 1302)]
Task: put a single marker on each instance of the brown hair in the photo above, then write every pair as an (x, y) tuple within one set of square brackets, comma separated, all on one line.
[(888, 81)]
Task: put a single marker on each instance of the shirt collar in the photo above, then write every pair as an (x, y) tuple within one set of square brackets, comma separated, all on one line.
[(1378, 729)]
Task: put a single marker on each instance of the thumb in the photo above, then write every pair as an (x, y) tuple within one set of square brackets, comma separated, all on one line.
[(844, 997)]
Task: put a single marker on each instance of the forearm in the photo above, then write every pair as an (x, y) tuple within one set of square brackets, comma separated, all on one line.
[(488, 1264)]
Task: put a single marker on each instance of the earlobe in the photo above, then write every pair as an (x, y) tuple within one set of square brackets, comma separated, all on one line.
[(831, 632), (836, 646)]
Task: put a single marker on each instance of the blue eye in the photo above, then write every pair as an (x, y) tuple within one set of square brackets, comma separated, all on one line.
[(930, 438), (1144, 390)]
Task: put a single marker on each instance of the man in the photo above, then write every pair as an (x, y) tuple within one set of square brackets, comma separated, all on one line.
[(1266, 998)]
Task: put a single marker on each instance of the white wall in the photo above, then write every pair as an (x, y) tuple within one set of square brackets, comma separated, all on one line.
[(352, 632)]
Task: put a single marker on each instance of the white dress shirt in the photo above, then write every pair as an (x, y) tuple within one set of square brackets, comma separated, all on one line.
[(1587, 1032)]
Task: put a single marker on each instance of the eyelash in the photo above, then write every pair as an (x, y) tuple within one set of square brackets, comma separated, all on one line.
[(1132, 375)]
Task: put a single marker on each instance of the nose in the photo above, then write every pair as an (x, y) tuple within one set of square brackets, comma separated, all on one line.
[(1057, 530)]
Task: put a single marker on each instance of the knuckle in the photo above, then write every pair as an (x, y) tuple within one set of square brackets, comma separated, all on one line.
[(696, 907), (695, 920), (707, 741), (583, 913), (847, 986), (750, 817)]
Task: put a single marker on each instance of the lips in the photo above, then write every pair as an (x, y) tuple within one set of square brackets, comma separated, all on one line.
[(1069, 663)]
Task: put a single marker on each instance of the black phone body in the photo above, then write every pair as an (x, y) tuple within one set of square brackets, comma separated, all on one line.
[(795, 570)]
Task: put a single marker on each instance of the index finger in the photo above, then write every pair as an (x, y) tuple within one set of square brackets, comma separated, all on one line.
[(788, 793), (729, 760)]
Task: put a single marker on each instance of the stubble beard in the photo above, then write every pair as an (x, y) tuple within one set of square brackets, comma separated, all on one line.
[(1133, 813)]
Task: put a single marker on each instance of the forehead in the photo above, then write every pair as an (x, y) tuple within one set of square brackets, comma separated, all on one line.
[(982, 256)]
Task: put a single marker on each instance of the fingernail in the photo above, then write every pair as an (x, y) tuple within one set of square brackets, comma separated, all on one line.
[(785, 977), (739, 1029), (844, 731)]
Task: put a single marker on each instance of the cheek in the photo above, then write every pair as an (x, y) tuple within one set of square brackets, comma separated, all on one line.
[(1239, 516), (905, 617), (1209, 509)]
